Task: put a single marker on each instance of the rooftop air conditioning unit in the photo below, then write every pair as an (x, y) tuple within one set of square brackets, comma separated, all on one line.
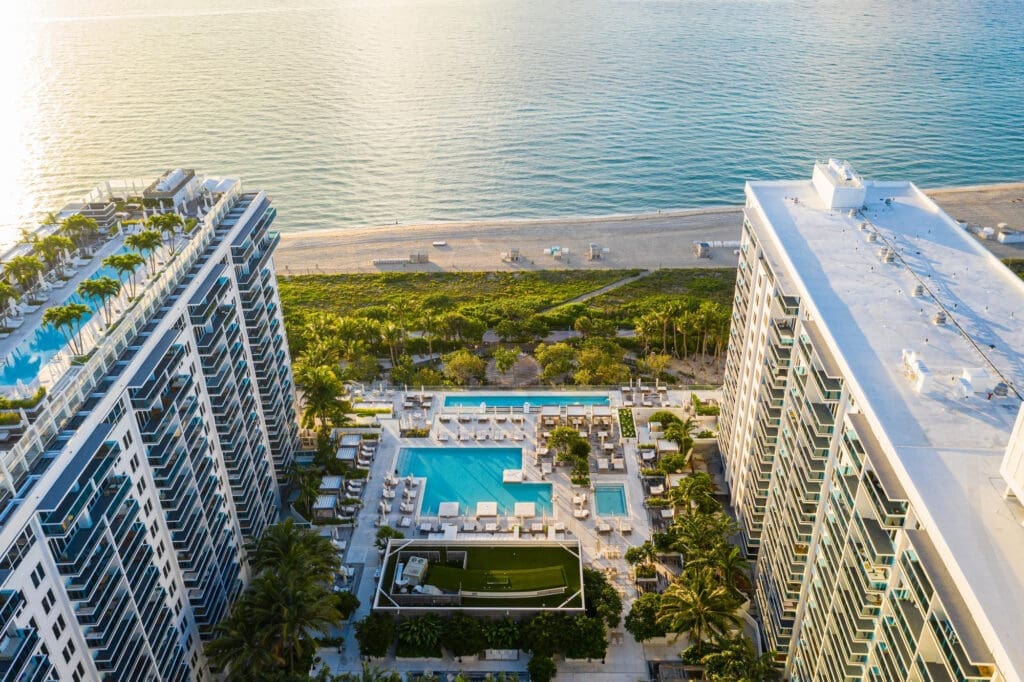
[(872, 237), (1001, 389), (939, 317), (918, 290)]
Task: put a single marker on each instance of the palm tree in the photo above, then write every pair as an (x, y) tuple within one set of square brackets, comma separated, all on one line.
[(699, 605), (733, 569), (68, 319), (695, 492), (305, 480), (699, 534), (321, 389), (7, 292), (53, 248), (422, 633), (240, 646), (79, 229), (145, 242), (102, 289), (392, 335), (738, 661), (287, 545), (293, 610), (25, 270), (168, 224), (125, 264)]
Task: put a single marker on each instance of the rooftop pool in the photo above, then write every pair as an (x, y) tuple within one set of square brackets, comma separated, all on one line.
[(610, 499), (518, 400), (470, 475)]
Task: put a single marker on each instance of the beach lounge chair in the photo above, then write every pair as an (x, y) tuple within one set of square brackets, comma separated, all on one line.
[(537, 527), (657, 489), (442, 437), (405, 522), (426, 527), (407, 508), (581, 513), (492, 527), (602, 464), (388, 494)]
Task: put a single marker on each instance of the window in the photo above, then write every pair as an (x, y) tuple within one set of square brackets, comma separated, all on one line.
[(58, 626), (48, 601), (135, 458), (37, 575), (68, 652)]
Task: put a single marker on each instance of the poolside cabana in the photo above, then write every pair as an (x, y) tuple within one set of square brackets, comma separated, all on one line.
[(665, 446), (576, 414), (550, 415), (351, 440), (485, 509), (447, 510), (346, 454), (331, 484), (601, 414), (325, 507)]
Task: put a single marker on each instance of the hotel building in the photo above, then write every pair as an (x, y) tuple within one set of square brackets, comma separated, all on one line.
[(128, 492), (873, 382)]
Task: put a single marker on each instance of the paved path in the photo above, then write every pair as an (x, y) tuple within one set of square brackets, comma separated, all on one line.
[(603, 290)]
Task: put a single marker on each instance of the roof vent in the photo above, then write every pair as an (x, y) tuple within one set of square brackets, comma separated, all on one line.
[(886, 254), (1001, 389), (917, 291), (872, 237), (939, 317), (852, 213), (863, 227)]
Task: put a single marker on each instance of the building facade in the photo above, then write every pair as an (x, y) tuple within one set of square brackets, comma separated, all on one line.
[(130, 491), (872, 385)]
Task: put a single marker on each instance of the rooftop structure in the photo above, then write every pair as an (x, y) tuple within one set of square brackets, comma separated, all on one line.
[(877, 350), (131, 485)]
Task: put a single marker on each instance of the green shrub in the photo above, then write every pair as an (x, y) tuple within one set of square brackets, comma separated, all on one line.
[(626, 423)]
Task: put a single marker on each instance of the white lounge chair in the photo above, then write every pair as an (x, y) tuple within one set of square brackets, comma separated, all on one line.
[(405, 522)]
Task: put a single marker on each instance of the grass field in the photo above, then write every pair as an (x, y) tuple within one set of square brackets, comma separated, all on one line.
[(507, 580)]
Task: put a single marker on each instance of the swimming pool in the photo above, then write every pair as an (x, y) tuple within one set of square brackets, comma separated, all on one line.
[(518, 400), (471, 475), (610, 500), (28, 357)]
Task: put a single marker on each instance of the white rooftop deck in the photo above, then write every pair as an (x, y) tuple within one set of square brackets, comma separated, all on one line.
[(948, 437)]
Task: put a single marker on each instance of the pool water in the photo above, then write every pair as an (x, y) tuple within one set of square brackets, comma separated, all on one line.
[(610, 500), (498, 400), (471, 475), (28, 357)]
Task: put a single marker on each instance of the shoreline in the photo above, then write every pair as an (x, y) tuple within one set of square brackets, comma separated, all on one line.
[(638, 240)]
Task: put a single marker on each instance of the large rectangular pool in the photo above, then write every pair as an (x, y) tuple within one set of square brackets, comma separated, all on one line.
[(471, 475), (518, 400), (610, 499)]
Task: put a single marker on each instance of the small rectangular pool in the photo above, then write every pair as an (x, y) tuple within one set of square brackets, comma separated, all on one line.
[(470, 475), (610, 499), (518, 400)]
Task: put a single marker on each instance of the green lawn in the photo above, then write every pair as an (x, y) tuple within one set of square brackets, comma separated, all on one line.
[(507, 580), (1016, 265)]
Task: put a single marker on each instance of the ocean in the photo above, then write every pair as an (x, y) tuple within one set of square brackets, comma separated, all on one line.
[(362, 112)]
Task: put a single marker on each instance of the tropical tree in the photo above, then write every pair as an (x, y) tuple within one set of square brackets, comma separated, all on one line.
[(7, 292), (125, 264), (240, 646), (586, 638), (697, 604), (422, 634), (102, 289), (369, 673), (321, 392), (52, 248), (462, 367), (79, 229), (736, 660), (695, 493), (731, 567), (392, 336), (603, 600), (68, 320), (385, 533), (145, 243), (306, 481), (642, 619), (505, 360), (655, 364), (700, 534), (641, 555), (167, 224), (375, 633), (557, 360), (25, 270), (463, 635), (541, 668), (290, 547)]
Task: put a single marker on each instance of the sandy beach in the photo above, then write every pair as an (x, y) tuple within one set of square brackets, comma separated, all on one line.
[(650, 240)]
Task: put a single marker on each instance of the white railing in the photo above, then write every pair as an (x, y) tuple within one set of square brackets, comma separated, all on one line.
[(77, 381)]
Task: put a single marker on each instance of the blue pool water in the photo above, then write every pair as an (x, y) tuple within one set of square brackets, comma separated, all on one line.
[(28, 357), (610, 500), (498, 400), (471, 475)]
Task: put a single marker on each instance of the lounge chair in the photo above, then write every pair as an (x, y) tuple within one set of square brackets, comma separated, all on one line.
[(407, 508), (426, 527), (492, 527), (388, 494), (581, 513), (405, 522), (657, 489)]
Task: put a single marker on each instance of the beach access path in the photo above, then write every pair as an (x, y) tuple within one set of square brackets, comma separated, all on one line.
[(648, 241)]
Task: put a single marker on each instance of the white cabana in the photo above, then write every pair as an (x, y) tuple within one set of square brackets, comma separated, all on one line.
[(488, 508), (576, 412), (331, 484), (664, 445), (448, 509), (602, 413), (525, 510), (512, 476), (346, 454), (550, 414), (351, 440)]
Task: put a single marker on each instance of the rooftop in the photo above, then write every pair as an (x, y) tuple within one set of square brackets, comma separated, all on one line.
[(879, 277)]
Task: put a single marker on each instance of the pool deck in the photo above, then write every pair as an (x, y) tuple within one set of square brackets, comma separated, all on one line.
[(627, 659)]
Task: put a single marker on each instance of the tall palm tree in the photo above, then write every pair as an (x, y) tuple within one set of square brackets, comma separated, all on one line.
[(695, 493), (240, 646), (7, 292), (698, 605), (321, 390), (146, 243), (101, 289), (125, 264), (738, 661), (25, 270), (168, 224), (392, 336), (305, 480), (285, 544), (699, 534), (79, 229), (68, 320), (52, 248)]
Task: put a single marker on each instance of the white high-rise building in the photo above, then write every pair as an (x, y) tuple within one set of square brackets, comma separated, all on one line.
[(139, 456), (873, 381)]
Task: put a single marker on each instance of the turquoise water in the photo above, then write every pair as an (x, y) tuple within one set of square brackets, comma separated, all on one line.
[(499, 400), (352, 113), (28, 357), (610, 500), (471, 475)]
